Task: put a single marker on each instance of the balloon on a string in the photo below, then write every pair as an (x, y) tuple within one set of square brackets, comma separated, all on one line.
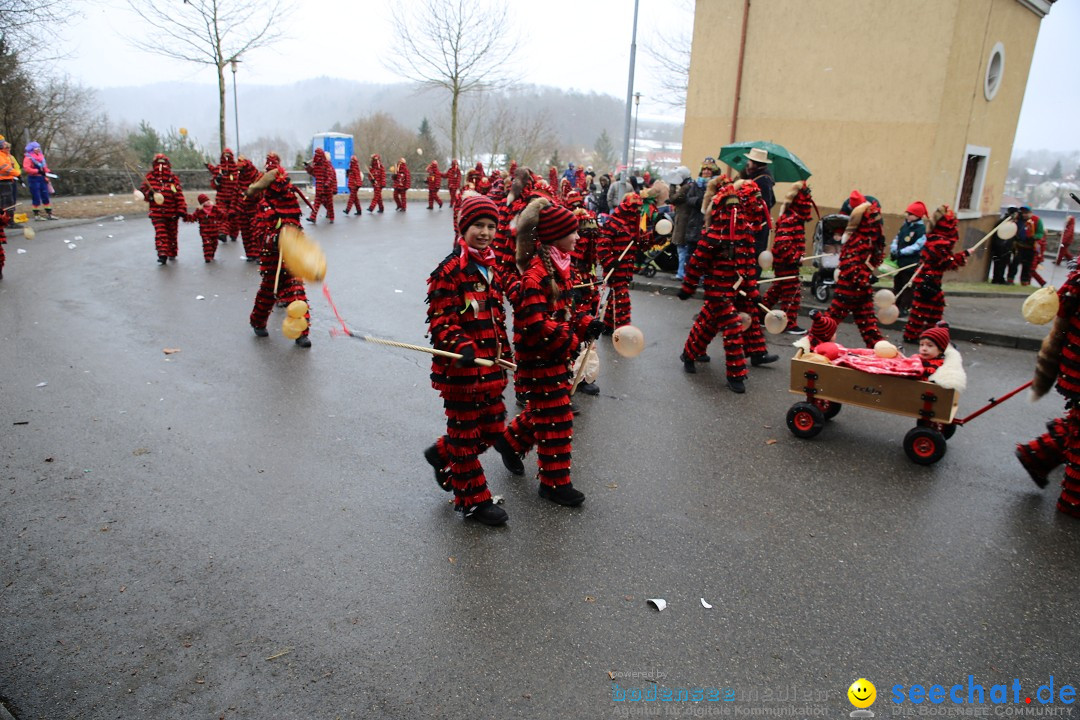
[(1007, 230), (663, 227), (629, 341), (744, 320), (765, 259), (888, 314), (884, 298), (137, 194), (159, 199), (775, 321)]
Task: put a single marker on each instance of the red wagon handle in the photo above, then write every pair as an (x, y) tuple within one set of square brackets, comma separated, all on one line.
[(993, 402)]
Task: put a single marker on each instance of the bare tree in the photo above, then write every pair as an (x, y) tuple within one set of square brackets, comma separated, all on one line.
[(209, 32), (671, 53), (24, 24), (460, 46)]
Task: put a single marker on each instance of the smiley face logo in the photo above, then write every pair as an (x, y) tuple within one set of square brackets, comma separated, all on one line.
[(862, 693)]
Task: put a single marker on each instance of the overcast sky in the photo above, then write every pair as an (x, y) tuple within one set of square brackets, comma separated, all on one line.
[(579, 44)]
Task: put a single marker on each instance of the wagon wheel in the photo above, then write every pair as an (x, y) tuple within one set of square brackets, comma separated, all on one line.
[(948, 430), (924, 445), (805, 420), (648, 271), (828, 408), (821, 291)]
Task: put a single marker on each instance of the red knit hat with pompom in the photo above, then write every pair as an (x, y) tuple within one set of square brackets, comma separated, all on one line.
[(475, 207), (822, 329), (555, 223), (939, 335), (203, 198)]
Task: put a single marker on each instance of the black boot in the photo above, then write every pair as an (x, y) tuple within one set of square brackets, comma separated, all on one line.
[(260, 331), (562, 494), (763, 358), (487, 513), (442, 472), (736, 385), (162, 259), (589, 388), (48, 214), (303, 341), (688, 363), (510, 459)]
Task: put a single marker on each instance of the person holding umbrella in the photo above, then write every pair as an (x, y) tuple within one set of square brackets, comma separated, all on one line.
[(757, 169)]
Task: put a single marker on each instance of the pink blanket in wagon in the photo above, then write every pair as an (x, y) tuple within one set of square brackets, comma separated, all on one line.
[(865, 360)]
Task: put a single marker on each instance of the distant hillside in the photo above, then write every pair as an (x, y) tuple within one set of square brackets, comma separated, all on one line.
[(295, 112)]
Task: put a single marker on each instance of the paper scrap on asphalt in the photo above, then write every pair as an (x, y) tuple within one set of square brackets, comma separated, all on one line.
[(20, 251), (170, 351), (41, 384), (658, 603), (705, 605), (200, 297)]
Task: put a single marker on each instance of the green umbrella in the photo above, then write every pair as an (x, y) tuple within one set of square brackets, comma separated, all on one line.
[(785, 166)]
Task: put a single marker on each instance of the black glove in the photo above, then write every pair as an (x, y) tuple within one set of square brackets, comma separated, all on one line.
[(872, 280), (683, 295), (894, 256), (594, 330), (468, 355)]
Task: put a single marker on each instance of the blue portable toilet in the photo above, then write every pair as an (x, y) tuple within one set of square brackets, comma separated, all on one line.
[(339, 148)]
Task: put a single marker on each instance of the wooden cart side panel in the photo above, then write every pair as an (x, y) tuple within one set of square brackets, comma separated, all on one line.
[(888, 393)]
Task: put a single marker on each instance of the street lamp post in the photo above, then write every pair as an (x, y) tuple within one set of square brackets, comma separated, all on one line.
[(637, 108), (236, 113)]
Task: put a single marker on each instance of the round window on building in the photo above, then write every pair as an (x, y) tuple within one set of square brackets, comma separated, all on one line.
[(995, 69)]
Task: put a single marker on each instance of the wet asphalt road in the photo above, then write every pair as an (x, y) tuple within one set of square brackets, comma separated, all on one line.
[(246, 529)]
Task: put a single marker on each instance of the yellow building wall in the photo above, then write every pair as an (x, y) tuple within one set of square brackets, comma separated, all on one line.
[(880, 96)]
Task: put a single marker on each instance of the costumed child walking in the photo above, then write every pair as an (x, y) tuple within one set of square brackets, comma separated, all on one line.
[(377, 174), (937, 256), (1057, 365), (789, 246), (354, 178), (434, 179), (402, 183), (223, 179), (453, 182), (278, 196), (161, 183), (863, 248), (715, 260), (547, 336), (325, 176), (466, 316), (623, 227), (211, 225)]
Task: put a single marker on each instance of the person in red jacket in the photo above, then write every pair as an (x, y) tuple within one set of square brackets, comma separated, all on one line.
[(753, 219), (377, 174), (716, 261), (863, 248), (1066, 241), (434, 179), (402, 183), (453, 182), (547, 334), (245, 207), (165, 197), (355, 179), (277, 197), (223, 179), (789, 246), (466, 316), (211, 225), (325, 176), (937, 256)]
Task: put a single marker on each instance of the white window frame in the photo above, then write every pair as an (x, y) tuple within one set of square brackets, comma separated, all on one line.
[(989, 92), (977, 187)]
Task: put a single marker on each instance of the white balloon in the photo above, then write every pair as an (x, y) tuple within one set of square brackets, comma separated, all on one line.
[(138, 194), (884, 298), (663, 227), (744, 320), (885, 349), (1007, 231), (765, 259), (888, 314), (775, 321), (629, 341), (419, 151)]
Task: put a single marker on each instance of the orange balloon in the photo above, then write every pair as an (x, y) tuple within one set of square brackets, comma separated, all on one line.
[(629, 341)]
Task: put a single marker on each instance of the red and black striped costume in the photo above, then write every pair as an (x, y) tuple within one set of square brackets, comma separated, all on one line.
[(584, 255), (522, 189), (1059, 363), (245, 207), (453, 182), (465, 310), (622, 228), (476, 179), (402, 183), (853, 293), (223, 181), (433, 179), (789, 246), (553, 178), (937, 256), (278, 207), (547, 333), (751, 215), (715, 260), (325, 176), (354, 177), (211, 226), (377, 175), (5, 218), (166, 216)]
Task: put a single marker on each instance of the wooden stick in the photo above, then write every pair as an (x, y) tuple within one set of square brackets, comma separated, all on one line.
[(815, 257), (277, 275), (777, 279), (887, 273), (580, 374), (616, 263), (431, 351), (915, 275)]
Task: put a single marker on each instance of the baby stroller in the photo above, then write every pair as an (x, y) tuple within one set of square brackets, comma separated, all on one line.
[(827, 236), (662, 255)]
